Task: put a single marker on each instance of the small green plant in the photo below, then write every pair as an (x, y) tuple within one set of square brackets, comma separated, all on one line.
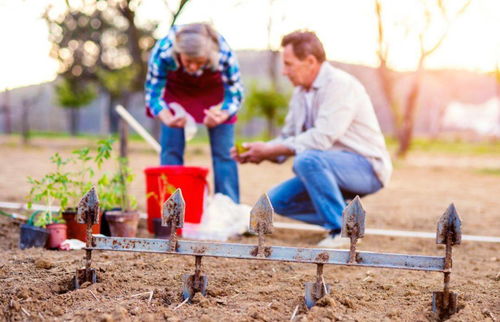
[(65, 187), (113, 188), (165, 189), (45, 218), (49, 189), (82, 179)]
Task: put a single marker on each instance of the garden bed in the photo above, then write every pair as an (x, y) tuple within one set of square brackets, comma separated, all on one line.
[(36, 282)]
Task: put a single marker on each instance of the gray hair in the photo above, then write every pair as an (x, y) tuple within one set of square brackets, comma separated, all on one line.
[(198, 40)]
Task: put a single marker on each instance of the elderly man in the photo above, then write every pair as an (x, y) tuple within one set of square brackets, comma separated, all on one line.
[(193, 76), (332, 131)]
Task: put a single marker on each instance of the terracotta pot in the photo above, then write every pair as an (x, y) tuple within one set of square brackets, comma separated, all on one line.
[(76, 230), (57, 234), (122, 224)]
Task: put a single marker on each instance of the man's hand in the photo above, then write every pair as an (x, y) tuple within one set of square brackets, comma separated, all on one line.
[(256, 152), (170, 120), (214, 116), (236, 152)]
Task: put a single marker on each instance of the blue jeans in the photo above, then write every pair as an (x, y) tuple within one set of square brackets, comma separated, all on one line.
[(324, 179), (221, 140)]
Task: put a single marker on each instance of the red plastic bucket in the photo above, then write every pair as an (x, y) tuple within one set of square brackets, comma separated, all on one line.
[(191, 180)]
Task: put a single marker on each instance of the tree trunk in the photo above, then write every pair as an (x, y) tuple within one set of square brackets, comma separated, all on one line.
[(410, 111), (123, 162), (133, 44), (270, 127), (112, 115), (7, 115), (124, 152), (25, 126), (273, 69), (105, 119), (387, 83), (74, 120), (123, 127)]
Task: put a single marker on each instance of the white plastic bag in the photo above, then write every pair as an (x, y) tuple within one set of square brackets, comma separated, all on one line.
[(72, 244), (221, 219), (190, 128)]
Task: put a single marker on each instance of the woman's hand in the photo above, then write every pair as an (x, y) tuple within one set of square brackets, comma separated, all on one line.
[(214, 116), (172, 120)]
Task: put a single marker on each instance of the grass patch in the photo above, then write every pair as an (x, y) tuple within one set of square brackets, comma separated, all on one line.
[(456, 147), (441, 146), (489, 171)]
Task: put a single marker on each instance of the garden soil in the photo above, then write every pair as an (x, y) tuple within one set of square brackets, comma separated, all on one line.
[(35, 284)]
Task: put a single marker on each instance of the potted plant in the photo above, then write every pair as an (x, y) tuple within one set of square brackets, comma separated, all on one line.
[(66, 187), (120, 207), (32, 236), (81, 182), (53, 186)]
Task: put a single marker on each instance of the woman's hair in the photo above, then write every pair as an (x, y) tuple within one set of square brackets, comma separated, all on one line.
[(198, 40)]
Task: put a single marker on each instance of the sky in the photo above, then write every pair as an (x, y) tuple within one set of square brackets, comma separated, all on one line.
[(348, 30)]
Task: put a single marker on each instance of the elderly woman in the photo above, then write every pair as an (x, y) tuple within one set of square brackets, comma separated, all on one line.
[(193, 74)]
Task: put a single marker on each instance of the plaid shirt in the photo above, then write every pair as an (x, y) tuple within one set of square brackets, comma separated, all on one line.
[(163, 60)]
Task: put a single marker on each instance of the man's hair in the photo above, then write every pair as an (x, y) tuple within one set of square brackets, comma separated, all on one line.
[(305, 43)]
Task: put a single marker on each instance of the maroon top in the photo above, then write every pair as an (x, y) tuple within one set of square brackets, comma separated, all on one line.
[(195, 93)]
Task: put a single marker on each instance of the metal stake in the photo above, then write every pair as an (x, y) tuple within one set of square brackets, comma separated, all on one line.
[(447, 272), (196, 283), (88, 213), (353, 225), (449, 233), (352, 248), (88, 252), (173, 235), (173, 215), (260, 246), (316, 290), (261, 222)]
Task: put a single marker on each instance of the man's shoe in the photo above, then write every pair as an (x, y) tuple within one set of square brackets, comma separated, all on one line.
[(334, 241)]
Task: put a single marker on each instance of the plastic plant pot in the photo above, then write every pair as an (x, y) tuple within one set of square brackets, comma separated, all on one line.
[(32, 236), (57, 234), (122, 223)]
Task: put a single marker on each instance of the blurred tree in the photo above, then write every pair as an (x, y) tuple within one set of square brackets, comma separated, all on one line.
[(273, 51), (72, 95), (26, 105), (433, 13), (94, 39), (267, 103)]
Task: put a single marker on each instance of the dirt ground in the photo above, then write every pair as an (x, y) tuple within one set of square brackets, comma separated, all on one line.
[(35, 283)]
